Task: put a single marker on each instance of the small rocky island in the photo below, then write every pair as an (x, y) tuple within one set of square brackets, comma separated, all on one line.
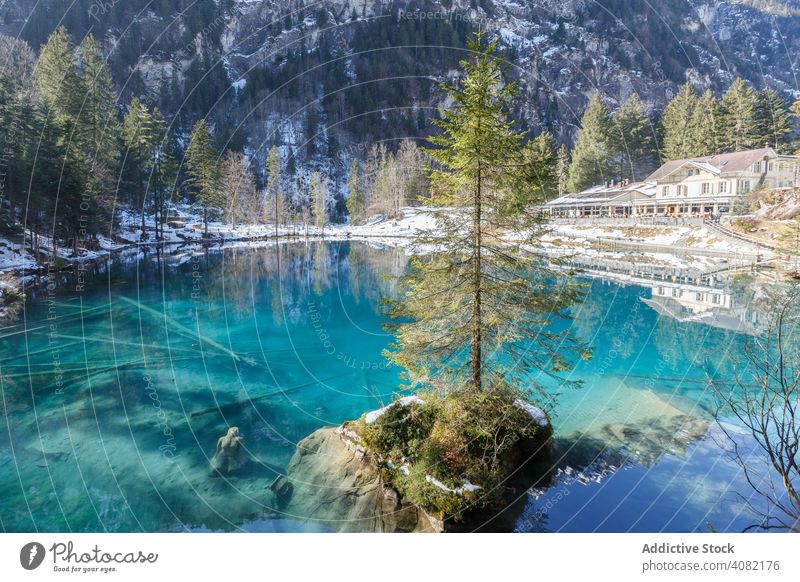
[(427, 463)]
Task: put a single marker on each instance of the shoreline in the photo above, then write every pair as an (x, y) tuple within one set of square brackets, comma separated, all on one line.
[(657, 244)]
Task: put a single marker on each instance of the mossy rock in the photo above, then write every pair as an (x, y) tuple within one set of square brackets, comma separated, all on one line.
[(461, 453)]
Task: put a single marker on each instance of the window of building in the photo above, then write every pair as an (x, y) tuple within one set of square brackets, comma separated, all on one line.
[(770, 167), (715, 299), (706, 188), (665, 191), (745, 186), (691, 172), (698, 296), (723, 187)]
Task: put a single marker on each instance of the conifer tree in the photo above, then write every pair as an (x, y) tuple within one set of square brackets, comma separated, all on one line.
[(203, 169), (592, 156), (163, 172), (562, 170), (57, 79), (355, 197), (140, 135), (466, 310), (14, 170), (78, 110), (540, 158), (636, 140), (676, 125), (706, 130), (97, 131), (773, 119), (739, 127), (274, 195)]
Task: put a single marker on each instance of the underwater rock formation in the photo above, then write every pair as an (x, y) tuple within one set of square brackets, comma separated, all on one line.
[(230, 455)]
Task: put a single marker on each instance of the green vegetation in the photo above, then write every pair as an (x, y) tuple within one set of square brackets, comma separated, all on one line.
[(678, 139), (476, 316), (203, 170), (593, 155), (275, 196), (461, 438), (634, 140), (742, 119), (466, 311), (85, 146)]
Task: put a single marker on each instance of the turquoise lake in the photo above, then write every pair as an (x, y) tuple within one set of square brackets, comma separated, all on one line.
[(113, 397)]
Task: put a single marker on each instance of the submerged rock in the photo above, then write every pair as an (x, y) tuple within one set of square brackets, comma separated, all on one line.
[(230, 455), (332, 481)]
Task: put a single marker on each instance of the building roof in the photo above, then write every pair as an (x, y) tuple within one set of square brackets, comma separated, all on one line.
[(718, 163), (604, 193)]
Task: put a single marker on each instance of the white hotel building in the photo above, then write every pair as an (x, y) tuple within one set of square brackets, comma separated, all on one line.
[(692, 187)]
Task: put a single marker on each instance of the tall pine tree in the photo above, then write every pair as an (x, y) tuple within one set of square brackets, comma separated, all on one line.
[(739, 127), (140, 135), (274, 194), (57, 79), (706, 126), (540, 156), (636, 141), (96, 129), (677, 131), (773, 120), (202, 162), (562, 170), (163, 172), (593, 154), (466, 309)]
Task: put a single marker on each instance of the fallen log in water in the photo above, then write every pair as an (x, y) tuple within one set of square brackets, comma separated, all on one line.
[(179, 326), (126, 343), (238, 404)]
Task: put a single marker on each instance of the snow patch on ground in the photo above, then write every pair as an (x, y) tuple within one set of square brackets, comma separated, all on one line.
[(374, 415), (15, 257), (660, 235), (467, 486), (536, 413)]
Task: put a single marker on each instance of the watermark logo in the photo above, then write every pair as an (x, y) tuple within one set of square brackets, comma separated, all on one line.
[(31, 555)]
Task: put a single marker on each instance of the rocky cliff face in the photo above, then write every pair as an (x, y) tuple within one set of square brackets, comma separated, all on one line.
[(296, 72)]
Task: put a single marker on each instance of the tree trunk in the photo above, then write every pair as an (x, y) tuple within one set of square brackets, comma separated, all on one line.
[(475, 355), (205, 222), (142, 236)]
